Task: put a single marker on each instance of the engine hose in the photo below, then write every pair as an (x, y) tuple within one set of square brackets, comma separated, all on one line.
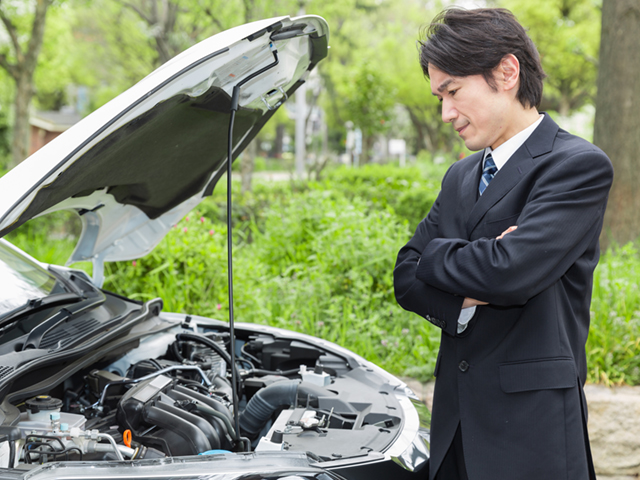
[(272, 397), (264, 403), (12, 453), (219, 350)]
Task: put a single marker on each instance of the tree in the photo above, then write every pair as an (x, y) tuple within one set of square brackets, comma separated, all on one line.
[(617, 121), (357, 89), (398, 52), (172, 26), (20, 58), (566, 33), (369, 99)]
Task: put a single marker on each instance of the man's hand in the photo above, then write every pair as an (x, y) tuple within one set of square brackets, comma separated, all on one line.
[(470, 302), (508, 230)]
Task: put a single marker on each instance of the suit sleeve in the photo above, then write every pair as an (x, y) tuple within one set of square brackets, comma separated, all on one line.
[(436, 305), (561, 219)]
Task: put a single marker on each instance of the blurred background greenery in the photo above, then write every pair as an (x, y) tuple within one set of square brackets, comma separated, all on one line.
[(316, 253)]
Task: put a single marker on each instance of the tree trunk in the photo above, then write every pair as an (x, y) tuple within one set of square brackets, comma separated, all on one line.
[(617, 122), (247, 162), (367, 147), (421, 138), (20, 141), (278, 144), (22, 72)]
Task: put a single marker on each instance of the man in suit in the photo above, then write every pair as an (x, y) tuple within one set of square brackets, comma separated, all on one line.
[(503, 263)]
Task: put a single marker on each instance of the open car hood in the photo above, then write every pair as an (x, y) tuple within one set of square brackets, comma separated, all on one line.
[(138, 164)]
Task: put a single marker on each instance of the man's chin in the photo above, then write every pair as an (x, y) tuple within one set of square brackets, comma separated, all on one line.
[(474, 146)]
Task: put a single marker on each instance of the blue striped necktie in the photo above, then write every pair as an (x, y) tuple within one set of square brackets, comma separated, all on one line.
[(488, 172)]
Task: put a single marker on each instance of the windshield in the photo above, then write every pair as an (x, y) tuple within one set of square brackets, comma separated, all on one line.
[(21, 280)]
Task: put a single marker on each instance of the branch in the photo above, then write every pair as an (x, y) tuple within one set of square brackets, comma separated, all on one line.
[(171, 16), (37, 35), (213, 18), (11, 29), (140, 13), (248, 10), (312, 103), (11, 69)]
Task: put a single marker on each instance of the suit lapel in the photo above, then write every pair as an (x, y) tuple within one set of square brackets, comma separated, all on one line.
[(470, 181), (521, 162)]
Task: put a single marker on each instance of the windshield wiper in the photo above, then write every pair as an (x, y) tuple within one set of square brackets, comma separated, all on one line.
[(65, 314), (36, 304)]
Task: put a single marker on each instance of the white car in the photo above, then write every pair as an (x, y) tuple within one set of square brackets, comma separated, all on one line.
[(95, 385)]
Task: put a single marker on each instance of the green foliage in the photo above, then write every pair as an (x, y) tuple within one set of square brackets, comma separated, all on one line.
[(409, 192), (369, 98), (112, 54), (398, 52), (613, 348), (567, 34), (58, 66), (49, 239), (319, 263)]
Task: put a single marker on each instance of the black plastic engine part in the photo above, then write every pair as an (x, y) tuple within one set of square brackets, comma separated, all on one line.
[(42, 403), (253, 384), (284, 354), (277, 395), (147, 367), (99, 379), (150, 411)]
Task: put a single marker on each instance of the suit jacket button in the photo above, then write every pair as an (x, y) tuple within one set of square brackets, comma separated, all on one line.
[(463, 366), (443, 324)]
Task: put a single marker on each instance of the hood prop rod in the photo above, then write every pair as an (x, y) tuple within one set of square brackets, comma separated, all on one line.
[(234, 108)]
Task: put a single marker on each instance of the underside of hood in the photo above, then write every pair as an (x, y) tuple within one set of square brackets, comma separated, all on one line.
[(137, 165)]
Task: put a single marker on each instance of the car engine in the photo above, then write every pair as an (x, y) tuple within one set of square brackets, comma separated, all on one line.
[(171, 395)]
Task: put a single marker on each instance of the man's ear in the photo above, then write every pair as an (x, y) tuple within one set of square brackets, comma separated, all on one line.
[(507, 73)]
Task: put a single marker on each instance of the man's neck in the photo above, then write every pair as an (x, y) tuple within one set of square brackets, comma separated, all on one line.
[(502, 154), (520, 119)]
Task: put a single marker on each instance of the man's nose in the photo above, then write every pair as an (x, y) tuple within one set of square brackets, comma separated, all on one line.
[(449, 113)]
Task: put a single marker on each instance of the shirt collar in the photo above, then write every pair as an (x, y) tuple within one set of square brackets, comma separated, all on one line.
[(507, 149)]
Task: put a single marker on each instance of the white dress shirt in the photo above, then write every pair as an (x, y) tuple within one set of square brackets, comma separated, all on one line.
[(501, 156)]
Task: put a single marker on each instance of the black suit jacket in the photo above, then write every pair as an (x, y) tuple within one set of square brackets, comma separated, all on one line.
[(513, 379)]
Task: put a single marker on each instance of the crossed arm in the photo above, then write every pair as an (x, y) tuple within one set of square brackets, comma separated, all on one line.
[(558, 222), (471, 302)]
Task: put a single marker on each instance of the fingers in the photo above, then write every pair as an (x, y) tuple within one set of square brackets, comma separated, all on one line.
[(471, 302), (508, 230)]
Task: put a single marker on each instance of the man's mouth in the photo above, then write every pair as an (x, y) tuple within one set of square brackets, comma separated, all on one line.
[(461, 129)]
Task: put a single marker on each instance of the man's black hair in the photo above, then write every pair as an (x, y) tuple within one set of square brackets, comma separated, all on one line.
[(473, 42)]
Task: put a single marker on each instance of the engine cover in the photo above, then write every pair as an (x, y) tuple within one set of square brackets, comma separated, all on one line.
[(154, 411)]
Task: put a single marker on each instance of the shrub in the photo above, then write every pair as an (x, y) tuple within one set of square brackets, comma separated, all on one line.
[(613, 348), (320, 264)]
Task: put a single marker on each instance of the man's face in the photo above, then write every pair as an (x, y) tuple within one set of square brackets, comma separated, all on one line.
[(478, 113)]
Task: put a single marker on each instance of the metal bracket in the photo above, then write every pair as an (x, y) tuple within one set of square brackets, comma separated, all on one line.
[(269, 96)]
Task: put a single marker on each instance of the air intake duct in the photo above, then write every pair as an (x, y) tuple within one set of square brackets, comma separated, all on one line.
[(278, 395)]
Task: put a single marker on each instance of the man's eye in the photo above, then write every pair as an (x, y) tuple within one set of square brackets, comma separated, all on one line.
[(452, 92)]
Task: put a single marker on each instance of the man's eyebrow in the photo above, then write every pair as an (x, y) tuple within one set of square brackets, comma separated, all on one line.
[(443, 85)]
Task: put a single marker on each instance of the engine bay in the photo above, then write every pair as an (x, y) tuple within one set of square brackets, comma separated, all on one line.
[(170, 394)]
